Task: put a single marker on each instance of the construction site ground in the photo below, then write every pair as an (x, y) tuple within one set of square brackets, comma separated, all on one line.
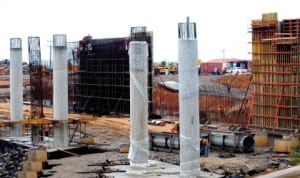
[(112, 132)]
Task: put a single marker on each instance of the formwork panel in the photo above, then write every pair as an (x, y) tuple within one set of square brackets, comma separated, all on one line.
[(276, 68), (104, 80)]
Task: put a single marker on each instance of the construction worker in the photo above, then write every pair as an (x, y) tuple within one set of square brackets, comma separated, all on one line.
[(46, 130), (206, 147), (175, 128), (228, 86), (222, 112)]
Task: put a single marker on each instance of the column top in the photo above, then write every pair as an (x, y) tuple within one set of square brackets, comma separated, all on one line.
[(34, 43), (138, 33), (187, 30), (59, 40), (15, 43)]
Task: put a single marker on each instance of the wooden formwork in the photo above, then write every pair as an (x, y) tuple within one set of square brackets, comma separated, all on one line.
[(275, 71)]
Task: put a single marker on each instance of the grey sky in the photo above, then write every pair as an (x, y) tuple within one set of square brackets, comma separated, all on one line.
[(221, 24)]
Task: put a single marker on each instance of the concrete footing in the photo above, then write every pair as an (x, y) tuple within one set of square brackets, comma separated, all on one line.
[(61, 139), (16, 130), (292, 172), (155, 169)]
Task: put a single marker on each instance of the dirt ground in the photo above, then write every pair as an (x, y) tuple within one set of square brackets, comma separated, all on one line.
[(112, 132), (236, 81)]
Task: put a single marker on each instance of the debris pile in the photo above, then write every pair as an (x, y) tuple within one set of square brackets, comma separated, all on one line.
[(11, 158)]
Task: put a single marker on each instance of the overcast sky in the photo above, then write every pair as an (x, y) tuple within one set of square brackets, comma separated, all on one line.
[(221, 24)]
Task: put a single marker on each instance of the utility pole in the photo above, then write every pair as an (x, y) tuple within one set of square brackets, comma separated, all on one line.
[(223, 53), (50, 57)]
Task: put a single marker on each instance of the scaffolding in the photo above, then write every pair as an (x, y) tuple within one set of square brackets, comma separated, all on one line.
[(35, 73), (101, 85), (275, 71)]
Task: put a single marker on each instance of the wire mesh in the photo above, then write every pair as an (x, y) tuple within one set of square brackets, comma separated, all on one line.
[(103, 81), (35, 72), (187, 30)]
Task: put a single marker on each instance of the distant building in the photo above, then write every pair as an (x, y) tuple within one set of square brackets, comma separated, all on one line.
[(221, 65)]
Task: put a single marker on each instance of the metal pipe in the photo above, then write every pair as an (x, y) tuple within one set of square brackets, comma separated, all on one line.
[(238, 141), (165, 141), (241, 142)]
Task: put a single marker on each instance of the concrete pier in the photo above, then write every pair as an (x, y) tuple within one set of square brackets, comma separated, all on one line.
[(139, 144), (60, 91), (188, 101), (16, 86)]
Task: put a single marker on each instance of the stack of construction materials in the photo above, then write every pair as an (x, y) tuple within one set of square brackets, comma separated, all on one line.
[(20, 161), (33, 163), (275, 68)]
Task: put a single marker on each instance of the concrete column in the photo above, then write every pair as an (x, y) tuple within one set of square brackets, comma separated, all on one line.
[(138, 64), (188, 101), (60, 91), (16, 86)]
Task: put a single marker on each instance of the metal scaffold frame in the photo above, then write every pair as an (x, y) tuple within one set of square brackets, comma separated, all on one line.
[(36, 81), (275, 72)]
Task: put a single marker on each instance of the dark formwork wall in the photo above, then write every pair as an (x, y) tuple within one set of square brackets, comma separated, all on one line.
[(103, 85)]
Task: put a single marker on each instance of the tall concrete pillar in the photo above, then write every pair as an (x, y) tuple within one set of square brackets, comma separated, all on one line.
[(60, 91), (138, 64), (188, 101), (16, 86)]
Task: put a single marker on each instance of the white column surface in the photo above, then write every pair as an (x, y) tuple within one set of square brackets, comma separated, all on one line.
[(189, 108), (16, 85), (139, 146), (60, 90)]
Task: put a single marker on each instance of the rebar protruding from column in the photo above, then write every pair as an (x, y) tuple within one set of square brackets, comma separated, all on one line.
[(138, 33), (188, 101), (187, 30), (60, 90), (16, 86), (138, 64)]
